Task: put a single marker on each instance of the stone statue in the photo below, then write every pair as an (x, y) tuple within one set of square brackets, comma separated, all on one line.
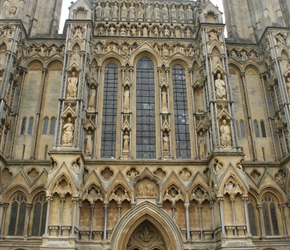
[(156, 12), (67, 135), (114, 13), (149, 12), (288, 86), (166, 32), (173, 13), (166, 141), (164, 107), (225, 133), (189, 14), (133, 31), (132, 12), (165, 13), (188, 32), (112, 30), (72, 86), (123, 31), (107, 12), (201, 146), (92, 98), (126, 139), (89, 143), (124, 12), (99, 11), (220, 88), (140, 12), (145, 31), (156, 31), (126, 104), (181, 14)]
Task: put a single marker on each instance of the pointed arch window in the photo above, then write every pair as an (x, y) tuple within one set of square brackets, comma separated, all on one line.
[(181, 113), (108, 142), (256, 127), (252, 219), (45, 126), (263, 129), (23, 126), (30, 126), (270, 216), (52, 126), (17, 215), (242, 129), (145, 114), (39, 215)]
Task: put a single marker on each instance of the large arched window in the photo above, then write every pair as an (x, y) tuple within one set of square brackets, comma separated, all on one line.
[(108, 143), (145, 114), (39, 215), (181, 112), (252, 217), (17, 215), (270, 215)]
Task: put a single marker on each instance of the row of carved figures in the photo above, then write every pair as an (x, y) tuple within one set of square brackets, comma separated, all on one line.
[(144, 12)]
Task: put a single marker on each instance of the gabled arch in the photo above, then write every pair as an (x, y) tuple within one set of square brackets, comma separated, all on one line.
[(12, 191), (111, 59), (150, 212), (142, 51), (273, 191), (252, 65), (179, 61)]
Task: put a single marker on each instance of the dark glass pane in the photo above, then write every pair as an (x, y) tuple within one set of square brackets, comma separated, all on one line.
[(36, 219), (108, 144), (181, 113), (252, 219), (242, 128), (23, 125), (263, 129), (21, 219), (267, 223), (45, 126), (13, 217), (43, 218), (145, 117), (30, 126), (274, 219), (256, 127), (52, 126)]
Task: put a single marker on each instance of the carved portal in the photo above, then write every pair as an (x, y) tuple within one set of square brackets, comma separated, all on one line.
[(146, 237)]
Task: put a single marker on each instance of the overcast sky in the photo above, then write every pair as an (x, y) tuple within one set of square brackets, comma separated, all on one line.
[(67, 3)]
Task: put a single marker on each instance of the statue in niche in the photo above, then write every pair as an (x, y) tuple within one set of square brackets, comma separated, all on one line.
[(140, 190), (288, 85), (92, 98), (156, 12), (114, 13), (225, 133), (165, 51), (101, 30), (189, 14), (188, 32), (201, 145), (166, 146), (124, 12), (177, 32), (132, 12), (149, 190), (89, 143), (185, 174), (123, 31), (213, 36), (149, 12), (133, 31), (126, 104), (107, 12), (166, 32), (126, 139), (218, 167), (165, 13), (173, 13), (112, 30), (99, 11), (181, 14), (67, 135), (72, 86), (145, 31), (156, 31), (220, 88), (164, 102), (140, 12), (125, 49)]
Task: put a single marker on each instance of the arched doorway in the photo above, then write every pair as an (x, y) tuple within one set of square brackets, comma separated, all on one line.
[(146, 237)]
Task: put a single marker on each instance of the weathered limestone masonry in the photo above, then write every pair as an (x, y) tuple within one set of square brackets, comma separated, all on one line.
[(142, 127)]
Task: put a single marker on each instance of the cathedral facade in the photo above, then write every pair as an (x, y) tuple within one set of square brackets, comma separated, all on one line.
[(142, 127)]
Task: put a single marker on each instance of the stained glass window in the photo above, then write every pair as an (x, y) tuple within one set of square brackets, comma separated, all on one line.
[(39, 215), (270, 216)]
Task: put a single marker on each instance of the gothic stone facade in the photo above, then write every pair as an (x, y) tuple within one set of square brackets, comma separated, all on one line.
[(143, 127)]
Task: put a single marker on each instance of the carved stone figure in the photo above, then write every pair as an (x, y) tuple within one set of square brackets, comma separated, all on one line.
[(189, 14), (166, 146), (133, 31), (156, 31), (112, 30), (92, 98), (164, 12), (126, 104), (173, 13), (132, 12), (123, 31), (72, 86), (164, 105), (201, 146), (225, 133), (145, 31), (156, 12), (166, 32), (99, 11), (126, 139), (149, 12), (181, 14), (188, 32), (89, 143), (140, 12), (220, 88), (114, 13), (288, 86), (124, 12), (107, 12), (177, 32), (101, 30), (67, 136)]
